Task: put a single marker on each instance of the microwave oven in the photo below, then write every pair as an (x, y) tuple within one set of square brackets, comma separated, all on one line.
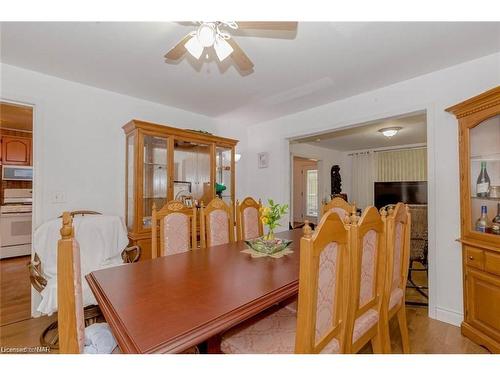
[(17, 173)]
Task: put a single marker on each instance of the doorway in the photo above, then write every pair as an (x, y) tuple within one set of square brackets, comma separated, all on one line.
[(305, 191), (16, 184), (382, 162)]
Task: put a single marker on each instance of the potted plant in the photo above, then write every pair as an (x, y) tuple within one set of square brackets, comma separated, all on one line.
[(270, 216)]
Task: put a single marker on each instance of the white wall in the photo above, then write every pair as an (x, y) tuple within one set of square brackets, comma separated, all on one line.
[(79, 143), (431, 92)]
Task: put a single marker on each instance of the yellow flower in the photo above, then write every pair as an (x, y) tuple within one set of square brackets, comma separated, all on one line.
[(264, 220)]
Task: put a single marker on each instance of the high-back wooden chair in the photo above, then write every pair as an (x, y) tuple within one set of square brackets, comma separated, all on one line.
[(248, 223), (177, 228), (323, 278), (216, 223), (398, 232), (340, 206), (366, 275), (69, 291), (319, 324)]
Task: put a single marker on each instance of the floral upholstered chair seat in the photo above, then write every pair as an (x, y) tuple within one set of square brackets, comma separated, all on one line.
[(269, 333)]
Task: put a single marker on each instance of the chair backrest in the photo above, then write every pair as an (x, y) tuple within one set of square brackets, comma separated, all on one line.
[(322, 282), (216, 223), (367, 265), (340, 206), (176, 224), (71, 324), (248, 223), (398, 229)]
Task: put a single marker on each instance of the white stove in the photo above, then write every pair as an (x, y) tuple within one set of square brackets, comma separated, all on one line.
[(15, 223)]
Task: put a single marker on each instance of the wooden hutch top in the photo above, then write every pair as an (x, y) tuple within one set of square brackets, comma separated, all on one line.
[(192, 134), (477, 103)]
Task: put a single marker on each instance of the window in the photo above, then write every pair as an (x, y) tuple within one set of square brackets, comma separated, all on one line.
[(312, 192)]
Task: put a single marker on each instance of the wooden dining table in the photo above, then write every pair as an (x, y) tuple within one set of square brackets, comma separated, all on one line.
[(169, 304)]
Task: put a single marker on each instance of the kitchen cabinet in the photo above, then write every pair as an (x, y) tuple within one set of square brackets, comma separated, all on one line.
[(16, 150)]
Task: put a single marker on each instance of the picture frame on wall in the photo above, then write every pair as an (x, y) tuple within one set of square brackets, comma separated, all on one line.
[(263, 159)]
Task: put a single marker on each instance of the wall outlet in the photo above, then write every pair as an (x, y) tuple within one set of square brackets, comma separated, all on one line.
[(59, 197)]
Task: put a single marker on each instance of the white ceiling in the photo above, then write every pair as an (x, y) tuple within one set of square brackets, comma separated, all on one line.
[(413, 131), (319, 63)]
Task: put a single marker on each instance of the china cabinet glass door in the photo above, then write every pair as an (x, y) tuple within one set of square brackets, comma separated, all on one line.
[(485, 176), (192, 177), (154, 176), (223, 173)]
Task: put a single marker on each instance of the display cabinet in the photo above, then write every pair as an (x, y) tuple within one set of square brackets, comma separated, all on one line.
[(165, 163), (479, 149)]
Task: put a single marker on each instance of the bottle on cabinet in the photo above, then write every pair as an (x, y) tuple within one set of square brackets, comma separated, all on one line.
[(483, 182), (482, 222), (495, 226)]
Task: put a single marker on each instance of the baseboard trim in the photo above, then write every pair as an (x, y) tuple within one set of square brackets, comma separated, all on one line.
[(449, 316)]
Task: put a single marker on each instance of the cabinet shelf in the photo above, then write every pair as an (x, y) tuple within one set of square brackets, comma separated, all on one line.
[(486, 157), (486, 198)]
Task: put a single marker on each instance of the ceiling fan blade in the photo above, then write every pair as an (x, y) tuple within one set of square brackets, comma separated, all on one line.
[(267, 25), (239, 57), (179, 49)]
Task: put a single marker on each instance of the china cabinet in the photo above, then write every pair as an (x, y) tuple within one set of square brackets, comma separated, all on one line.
[(165, 163), (479, 146)]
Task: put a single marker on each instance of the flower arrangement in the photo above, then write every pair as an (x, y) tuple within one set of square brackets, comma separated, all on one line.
[(270, 216)]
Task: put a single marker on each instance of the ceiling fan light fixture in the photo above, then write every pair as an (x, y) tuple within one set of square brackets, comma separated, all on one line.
[(222, 48), (194, 47), (206, 34), (390, 132)]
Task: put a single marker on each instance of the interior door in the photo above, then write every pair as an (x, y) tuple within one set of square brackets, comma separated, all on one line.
[(310, 192), (300, 173)]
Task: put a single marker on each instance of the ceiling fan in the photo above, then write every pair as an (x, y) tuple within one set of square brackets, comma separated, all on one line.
[(217, 35)]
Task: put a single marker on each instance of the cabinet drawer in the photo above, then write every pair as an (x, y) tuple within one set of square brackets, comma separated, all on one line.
[(474, 257), (492, 262)]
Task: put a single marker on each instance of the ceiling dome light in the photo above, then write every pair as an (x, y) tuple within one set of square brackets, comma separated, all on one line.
[(206, 34), (237, 157), (390, 132)]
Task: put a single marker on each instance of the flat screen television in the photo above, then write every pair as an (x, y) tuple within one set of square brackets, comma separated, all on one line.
[(409, 192)]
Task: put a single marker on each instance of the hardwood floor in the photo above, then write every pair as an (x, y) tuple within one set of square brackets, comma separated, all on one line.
[(429, 336), (426, 335), (15, 292)]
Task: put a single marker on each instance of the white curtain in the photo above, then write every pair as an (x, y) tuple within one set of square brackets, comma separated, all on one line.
[(364, 171), (402, 165)]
